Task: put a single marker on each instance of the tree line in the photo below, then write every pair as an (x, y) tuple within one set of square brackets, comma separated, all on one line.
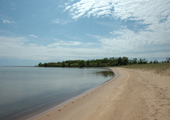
[(105, 62)]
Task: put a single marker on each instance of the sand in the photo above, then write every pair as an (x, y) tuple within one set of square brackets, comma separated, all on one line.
[(132, 95)]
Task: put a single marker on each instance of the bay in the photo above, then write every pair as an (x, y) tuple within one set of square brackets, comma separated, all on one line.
[(28, 90)]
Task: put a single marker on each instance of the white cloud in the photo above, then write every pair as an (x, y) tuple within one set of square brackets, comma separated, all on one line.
[(143, 11), (151, 41), (147, 44), (88, 8), (59, 21), (7, 21), (59, 50), (127, 43), (64, 43), (33, 36), (68, 7), (101, 4), (149, 12)]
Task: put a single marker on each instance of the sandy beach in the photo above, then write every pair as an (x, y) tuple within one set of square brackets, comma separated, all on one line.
[(132, 95)]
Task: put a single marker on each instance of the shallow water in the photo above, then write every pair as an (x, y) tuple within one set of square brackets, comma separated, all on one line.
[(24, 90)]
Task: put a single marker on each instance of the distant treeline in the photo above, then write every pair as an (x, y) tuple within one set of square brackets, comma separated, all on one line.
[(105, 62)]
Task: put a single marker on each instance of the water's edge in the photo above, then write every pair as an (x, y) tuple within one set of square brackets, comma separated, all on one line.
[(30, 117)]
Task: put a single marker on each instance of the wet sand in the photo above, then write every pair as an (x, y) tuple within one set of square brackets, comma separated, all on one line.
[(132, 95)]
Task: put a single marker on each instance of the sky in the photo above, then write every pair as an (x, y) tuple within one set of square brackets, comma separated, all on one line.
[(33, 31)]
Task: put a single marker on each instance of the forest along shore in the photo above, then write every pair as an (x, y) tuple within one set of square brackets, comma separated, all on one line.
[(132, 94)]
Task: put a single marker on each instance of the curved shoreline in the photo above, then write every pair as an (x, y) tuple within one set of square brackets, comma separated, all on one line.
[(70, 99), (132, 94)]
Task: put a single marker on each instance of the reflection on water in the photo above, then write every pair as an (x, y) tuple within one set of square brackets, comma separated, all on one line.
[(105, 73), (26, 90)]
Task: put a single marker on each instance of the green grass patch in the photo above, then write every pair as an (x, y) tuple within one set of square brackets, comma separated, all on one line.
[(159, 68)]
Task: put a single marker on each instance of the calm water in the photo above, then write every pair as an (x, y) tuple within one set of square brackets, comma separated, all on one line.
[(27, 90)]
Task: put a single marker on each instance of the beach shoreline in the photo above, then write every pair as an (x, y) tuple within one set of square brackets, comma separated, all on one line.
[(65, 102), (132, 94)]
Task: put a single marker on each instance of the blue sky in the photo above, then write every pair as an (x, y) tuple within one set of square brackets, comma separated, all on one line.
[(33, 31)]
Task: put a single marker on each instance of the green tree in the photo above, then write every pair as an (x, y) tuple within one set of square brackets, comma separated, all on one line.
[(142, 61), (40, 64), (134, 61), (124, 60), (105, 60), (155, 61), (68, 64), (87, 63), (119, 61), (112, 59), (63, 64), (168, 60), (45, 64), (150, 62), (81, 63)]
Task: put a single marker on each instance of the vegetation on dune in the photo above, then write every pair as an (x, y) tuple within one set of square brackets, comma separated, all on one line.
[(160, 68), (105, 62)]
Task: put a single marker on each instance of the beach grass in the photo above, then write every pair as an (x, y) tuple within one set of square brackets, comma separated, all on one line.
[(159, 68)]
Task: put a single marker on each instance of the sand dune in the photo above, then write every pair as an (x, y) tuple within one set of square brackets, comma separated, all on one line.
[(132, 95)]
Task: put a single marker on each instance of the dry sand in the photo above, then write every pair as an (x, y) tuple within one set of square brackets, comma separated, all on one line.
[(131, 95)]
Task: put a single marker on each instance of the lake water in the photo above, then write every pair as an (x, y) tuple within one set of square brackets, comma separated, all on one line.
[(28, 90)]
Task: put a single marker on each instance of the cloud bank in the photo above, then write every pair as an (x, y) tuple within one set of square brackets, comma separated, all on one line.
[(59, 50), (154, 14), (149, 40)]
